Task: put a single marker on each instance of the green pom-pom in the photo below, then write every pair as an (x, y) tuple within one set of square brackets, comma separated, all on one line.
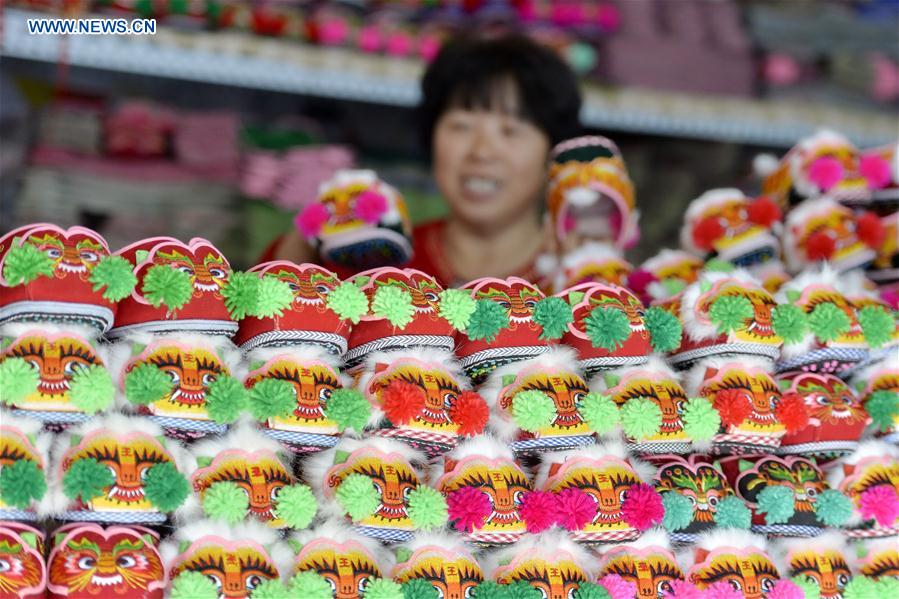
[(117, 276), (86, 478), (832, 508), (522, 589), (701, 420), (789, 323), (348, 302), (240, 294), (888, 586), (193, 585), (394, 304), (490, 590), (877, 325), (599, 411), (678, 511), (456, 307), (717, 265), (226, 501), (18, 380), (730, 312), (641, 418), (274, 297), (417, 588), (427, 508), (165, 487), (226, 399), (348, 408), (309, 584), (296, 506), (827, 321), (383, 588), (883, 406), (147, 383), (777, 503), (533, 410), (358, 496), (271, 398), (861, 587), (553, 314), (809, 588), (168, 286), (733, 513), (665, 330), (673, 286), (487, 320), (24, 263), (270, 589), (21, 483), (591, 590), (91, 389), (607, 328)]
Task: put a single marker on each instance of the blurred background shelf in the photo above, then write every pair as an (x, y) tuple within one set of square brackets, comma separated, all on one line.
[(240, 60)]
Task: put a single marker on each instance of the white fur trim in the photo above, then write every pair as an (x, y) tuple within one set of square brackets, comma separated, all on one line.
[(339, 530), (730, 537), (829, 540), (866, 449), (654, 364), (540, 545), (608, 448), (690, 299), (486, 446), (695, 377), (764, 164), (665, 258)]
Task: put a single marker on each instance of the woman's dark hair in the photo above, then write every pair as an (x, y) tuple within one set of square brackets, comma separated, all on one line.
[(470, 72)]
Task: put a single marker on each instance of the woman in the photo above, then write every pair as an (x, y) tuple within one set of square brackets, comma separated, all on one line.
[(491, 110)]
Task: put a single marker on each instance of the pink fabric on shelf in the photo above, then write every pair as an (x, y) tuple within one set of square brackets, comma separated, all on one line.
[(205, 139)]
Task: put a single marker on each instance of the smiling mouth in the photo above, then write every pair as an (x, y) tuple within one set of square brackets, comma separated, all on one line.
[(73, 268), (503, 519), (106, 581), (191, 398), (480, 186)]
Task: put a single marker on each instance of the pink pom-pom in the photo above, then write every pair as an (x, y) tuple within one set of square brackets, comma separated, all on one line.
[(876, 170), (370, 206), (608, 18), (880, 503), (538, 510), (825, 172), (468, 507), (311, 219), (617, 587), (370, 38), (722, 590), (576, 508), (400, 43), (681, 589), (786, 589), (643, 507)]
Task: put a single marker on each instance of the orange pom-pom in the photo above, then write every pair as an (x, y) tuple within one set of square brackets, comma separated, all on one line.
[(706, 232), (732, 406), (470, 412), (870, 230), (764, 212), (402, 401), (792, 412), (820, 246)]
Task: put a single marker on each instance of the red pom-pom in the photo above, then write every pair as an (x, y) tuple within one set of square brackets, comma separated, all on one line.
[(642, 508), (732, 406), (820, 246), (470, 412), (876, 170), (825, 172), (764, 212), (870, 230), (468, 507), (706, 232), (792, 412), (402, 401), (576, 508), (880, 503), (538, 510)]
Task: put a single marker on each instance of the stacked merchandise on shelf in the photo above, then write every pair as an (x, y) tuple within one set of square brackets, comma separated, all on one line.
[(701, 426)]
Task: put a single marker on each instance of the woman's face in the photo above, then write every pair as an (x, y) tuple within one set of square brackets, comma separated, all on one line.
[(490, 166)]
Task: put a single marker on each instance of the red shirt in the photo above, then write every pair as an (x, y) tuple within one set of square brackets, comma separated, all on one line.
[(428, 256)]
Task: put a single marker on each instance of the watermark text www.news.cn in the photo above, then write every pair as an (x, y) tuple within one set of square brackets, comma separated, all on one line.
[(92, 26)]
